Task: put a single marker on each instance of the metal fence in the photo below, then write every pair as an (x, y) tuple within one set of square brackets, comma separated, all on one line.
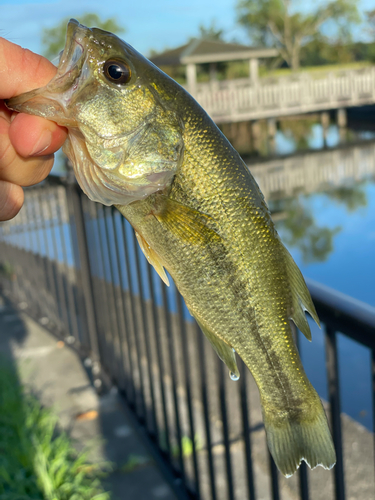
[(75, 266)]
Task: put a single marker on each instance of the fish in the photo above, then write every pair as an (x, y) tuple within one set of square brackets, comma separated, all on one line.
[(137, 140)]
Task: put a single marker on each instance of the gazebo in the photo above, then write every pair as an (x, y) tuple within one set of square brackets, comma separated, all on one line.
[(201, 51)]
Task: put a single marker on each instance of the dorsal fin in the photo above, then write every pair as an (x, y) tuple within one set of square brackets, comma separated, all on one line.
[(301, 298)]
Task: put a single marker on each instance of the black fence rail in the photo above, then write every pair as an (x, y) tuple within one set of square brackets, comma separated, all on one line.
[(75, 266)]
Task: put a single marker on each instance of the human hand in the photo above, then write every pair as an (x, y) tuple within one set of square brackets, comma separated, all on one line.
[(27, 143)]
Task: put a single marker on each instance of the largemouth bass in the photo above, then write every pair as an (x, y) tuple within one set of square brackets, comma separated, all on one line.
[(139, 141)]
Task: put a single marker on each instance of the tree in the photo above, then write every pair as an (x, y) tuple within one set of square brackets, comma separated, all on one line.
[(211, 32), (352, 197), (278, 23), (370, 18), (53, 39)]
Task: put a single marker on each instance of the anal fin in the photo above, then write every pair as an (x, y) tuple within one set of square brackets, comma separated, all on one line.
[(152, 258), (223, 350)]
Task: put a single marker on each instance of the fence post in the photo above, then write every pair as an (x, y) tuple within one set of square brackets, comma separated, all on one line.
[(335, 407), (84, 273)]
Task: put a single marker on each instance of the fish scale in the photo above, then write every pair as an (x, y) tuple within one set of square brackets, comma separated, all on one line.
[(198, 213)]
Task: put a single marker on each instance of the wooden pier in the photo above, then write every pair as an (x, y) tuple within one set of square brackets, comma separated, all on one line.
[(242, 100)]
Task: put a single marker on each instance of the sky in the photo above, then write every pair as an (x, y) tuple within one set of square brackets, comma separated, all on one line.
[(149, 24)]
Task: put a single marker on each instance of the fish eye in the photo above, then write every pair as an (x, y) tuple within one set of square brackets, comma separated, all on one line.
[(117, 71)]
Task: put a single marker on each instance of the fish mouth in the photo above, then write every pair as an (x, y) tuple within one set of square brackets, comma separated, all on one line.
[(74, 47), (52, 100)]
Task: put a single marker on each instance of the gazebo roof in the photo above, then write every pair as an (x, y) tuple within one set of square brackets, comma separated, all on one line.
[(199, 51)]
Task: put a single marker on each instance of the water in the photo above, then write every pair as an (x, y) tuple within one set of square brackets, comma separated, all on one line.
[(234, 377), (286, 142), (336, 246)]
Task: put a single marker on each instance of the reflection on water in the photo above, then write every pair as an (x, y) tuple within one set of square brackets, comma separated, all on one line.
[(299, 229), (352, 197), (302, 135), (288, 135)]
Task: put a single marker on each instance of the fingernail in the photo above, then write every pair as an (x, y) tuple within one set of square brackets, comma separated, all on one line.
[(43, 143)]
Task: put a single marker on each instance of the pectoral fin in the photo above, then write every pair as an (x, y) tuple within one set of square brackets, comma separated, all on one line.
[(152, 258), (223, 350), (188, 224), (301, 299)]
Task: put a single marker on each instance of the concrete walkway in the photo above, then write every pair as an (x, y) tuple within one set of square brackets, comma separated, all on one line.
[(55, 372)]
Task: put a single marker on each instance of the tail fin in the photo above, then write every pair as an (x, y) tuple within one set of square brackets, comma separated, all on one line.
[(292, 438)]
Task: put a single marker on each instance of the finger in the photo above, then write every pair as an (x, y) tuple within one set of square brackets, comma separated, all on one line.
[(33, 136), (5, 112), (15, 168), (21, 70), (11, 200)]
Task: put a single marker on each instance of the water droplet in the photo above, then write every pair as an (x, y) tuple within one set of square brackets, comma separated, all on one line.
[(97, 383), (233, 376)]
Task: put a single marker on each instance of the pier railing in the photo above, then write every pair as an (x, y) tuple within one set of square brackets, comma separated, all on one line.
[(240, 100), (75, 266)]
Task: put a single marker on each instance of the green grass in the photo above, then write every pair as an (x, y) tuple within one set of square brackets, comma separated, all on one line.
[(37, 462), (6, 269), (134, 462)]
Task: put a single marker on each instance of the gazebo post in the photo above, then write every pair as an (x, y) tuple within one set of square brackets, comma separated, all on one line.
[(213, 74), (212, 52), (253, 66), (191, 77)]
